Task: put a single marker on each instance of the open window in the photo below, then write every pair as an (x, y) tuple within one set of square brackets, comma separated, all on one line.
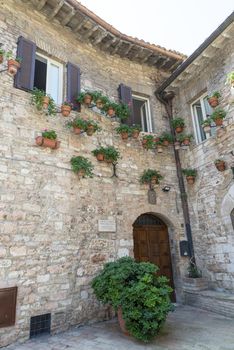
[(201, 110), (48, 76)]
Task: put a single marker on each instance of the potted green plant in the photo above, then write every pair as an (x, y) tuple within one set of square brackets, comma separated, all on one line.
[(230, 78), (123, 130), (159, 144), (122, 111), (140, 296), (91, 127), (148, 142), (178, 124), (206, 125), (99, 153), (66, 108), (213, 99), (166, 139), (82, 166), (110, 108), (78, 125), (42, 101), (218, 115), (220, 164), (99, 99), (13, 64), (150, 176), (185, 139), (111, 154), (48, 139), (2, 52), (135, 130), (190, 175), (85, 98)]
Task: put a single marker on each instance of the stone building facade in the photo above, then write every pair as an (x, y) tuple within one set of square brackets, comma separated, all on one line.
[(52, 243)]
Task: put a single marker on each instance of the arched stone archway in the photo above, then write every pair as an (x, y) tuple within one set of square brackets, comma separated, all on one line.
[(151, 243)]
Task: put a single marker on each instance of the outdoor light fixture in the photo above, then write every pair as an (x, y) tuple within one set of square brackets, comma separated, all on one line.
[(166, 188)]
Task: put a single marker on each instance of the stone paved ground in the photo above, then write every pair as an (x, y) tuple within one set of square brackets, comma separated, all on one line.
[(186, 329)]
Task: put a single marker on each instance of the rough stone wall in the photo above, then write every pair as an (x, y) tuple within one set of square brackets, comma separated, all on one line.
[(50, 246), (211, 198)]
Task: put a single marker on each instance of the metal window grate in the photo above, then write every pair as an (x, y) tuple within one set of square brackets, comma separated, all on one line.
[(148, 219), (40, 325)]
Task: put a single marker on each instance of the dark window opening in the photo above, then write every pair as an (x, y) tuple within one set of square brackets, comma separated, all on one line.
[(40, 73), (40, 325)]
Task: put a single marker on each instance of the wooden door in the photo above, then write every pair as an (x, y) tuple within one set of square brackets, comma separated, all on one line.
[(151, 244)]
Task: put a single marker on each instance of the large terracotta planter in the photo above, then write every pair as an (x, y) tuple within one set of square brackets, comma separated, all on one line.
[(100, 157), (45, 102), (179, 129), (13, 67), (213, 101), (65, 110), (124, 135), (218, 122), (221, 166), (190, 180), (111, 112), (122, 322)]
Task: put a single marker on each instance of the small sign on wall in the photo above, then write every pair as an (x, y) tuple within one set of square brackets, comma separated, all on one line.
[(108, 225)]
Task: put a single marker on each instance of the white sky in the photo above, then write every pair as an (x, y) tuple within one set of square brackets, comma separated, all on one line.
[(180, 25)]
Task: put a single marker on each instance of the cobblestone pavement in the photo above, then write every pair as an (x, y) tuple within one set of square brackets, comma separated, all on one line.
[(186, 329)]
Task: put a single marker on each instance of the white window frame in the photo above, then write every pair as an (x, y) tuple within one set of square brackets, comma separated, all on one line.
[(60, 67), (148, 111), (196, 126)]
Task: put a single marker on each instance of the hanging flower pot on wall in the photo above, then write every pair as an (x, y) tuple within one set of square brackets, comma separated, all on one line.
[(66, 108), (48, 139), (213, 99)]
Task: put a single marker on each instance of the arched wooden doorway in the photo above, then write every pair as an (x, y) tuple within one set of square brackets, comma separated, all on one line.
[(151, 243)]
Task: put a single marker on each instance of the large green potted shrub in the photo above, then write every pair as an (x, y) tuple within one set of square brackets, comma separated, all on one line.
[(136, 291)]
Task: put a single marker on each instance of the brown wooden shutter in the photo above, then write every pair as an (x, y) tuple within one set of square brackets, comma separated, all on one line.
[(24, 79), (73, 84), (125, 95)]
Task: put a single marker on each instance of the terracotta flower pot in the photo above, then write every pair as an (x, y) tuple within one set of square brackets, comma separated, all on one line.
[(160, 149), (76, 130), (190, 180), (186, 142), (111, 112), (218, 122), (179, 129), (154, 180), (221, 166), (87, 99), (165, 143), (81, 173), (122, 322), (13, 67), (207, 128), (65, 110), (124, 135), (50, 143), (1, 58), (100, 157), (135, 134), (45, 102), (99, 104), (39, 140), (90, 130), (213, 101)]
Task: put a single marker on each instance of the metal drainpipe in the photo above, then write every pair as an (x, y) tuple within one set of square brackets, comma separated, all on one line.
[(166, 98)]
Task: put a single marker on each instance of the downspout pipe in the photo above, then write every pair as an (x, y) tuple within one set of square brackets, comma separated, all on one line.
[(166, 98)]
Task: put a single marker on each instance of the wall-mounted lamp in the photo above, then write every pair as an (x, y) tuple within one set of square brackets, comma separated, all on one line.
[(166, 188)]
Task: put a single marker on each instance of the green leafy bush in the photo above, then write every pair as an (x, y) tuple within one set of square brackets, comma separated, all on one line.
[(142, 295)]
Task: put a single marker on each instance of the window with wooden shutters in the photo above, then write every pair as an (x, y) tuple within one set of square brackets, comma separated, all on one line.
[(125, 95), (24, 79), (73, 83)]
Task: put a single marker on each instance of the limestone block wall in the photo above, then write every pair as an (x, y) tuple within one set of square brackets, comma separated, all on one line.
[(211, 197), (50, 246)]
